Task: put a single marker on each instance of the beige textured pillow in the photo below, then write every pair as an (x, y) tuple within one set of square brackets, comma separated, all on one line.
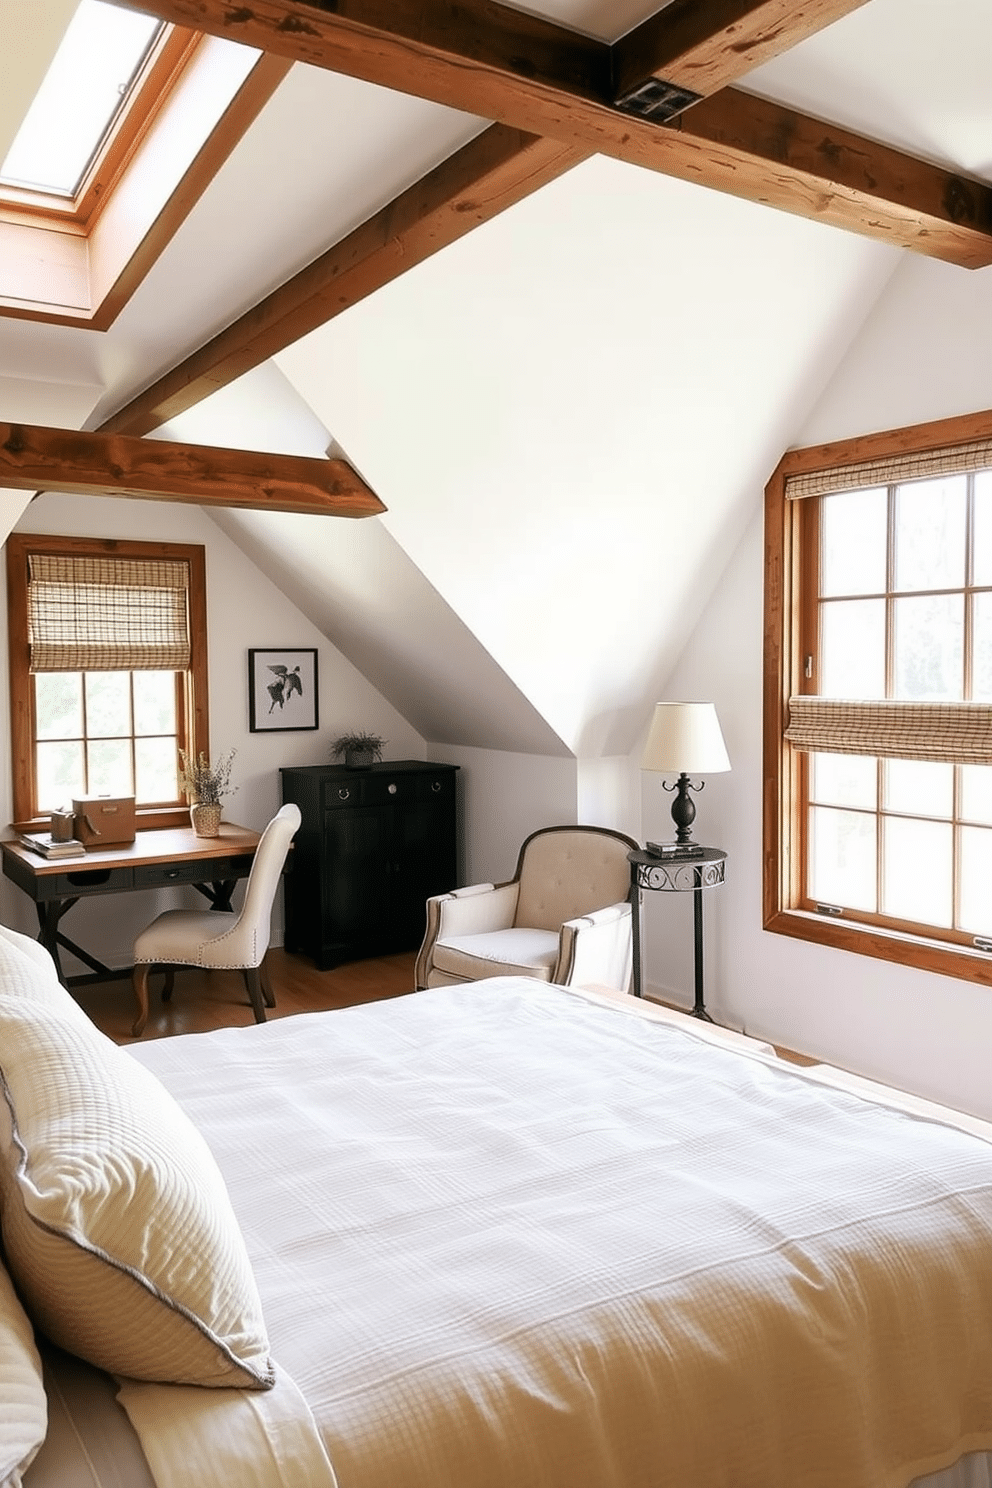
[(23, 1406), (116, 1222)]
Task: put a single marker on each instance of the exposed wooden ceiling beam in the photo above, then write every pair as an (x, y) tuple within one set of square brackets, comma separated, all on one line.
[(704, 47), (486, 59), (34, 458), (496, 169)]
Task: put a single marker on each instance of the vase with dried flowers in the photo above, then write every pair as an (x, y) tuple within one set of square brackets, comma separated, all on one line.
[(205, 785)]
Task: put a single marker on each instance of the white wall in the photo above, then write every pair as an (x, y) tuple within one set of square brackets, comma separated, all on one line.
[(244, 610), (922, 355), (503, 797)]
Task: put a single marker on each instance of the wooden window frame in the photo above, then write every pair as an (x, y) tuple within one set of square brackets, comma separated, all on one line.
[(193, 710), (157, 77), (791, 553)]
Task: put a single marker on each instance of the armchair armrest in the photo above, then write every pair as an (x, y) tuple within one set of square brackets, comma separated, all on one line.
[(597, 947), (474, 910)]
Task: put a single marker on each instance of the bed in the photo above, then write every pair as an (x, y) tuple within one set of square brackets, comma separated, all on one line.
[(506, 1233)]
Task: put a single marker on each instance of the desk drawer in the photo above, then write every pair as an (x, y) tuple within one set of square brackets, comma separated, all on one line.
[(84, 881), (207, 870)]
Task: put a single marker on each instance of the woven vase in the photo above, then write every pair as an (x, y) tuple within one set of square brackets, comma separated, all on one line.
[(205, 818)]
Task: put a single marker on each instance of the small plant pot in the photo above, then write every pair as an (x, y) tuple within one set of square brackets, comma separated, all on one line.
[(359, 759), (205, 819)]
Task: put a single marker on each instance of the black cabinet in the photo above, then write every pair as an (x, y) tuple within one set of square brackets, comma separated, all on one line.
[(372, 847)]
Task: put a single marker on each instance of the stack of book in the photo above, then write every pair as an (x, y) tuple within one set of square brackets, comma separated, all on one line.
[(46, 845)]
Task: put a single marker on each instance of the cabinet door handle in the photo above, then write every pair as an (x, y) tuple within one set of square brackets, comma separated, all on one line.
[(172, 873), (435, 786), (344, 793), (392, 789)]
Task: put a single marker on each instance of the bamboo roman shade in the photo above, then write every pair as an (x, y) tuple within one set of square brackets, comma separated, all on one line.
[(105, 614), (869, 474), (956, 733)]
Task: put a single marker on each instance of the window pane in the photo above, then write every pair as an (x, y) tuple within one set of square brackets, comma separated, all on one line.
[(844, 780), (110, 767), (916, 870), (842, 858), (155, 769), (976, 877), (928, 648), (852, 648), (108, 704), (154, 702), (853, 537), (79, 96), (919, 787), (58, 700), (930, 533), (976, 793), (983, 528), (60, 775), (981, 671)]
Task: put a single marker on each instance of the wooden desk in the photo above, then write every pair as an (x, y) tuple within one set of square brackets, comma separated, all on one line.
[(154, 860)]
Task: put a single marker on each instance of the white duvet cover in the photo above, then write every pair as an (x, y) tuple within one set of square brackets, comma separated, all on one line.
[(507, 1234)]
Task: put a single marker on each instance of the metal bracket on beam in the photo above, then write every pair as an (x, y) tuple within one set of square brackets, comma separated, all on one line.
[(656, 99)]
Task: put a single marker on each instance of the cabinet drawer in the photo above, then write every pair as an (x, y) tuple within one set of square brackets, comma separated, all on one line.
[(439, 787), (207, 870), (337, 794)]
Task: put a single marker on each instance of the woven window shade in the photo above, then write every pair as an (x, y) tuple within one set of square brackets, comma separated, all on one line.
[(107, 614), (918, 465), (956, 733)]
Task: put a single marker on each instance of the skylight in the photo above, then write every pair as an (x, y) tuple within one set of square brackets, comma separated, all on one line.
[(84, 89)]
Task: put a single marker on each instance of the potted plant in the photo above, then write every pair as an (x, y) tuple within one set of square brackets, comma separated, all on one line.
[(358, 749), (205, 785)]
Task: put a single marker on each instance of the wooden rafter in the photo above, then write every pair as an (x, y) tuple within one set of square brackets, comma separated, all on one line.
[(703, 48), (34, 458), (487, 59), (496, 169)]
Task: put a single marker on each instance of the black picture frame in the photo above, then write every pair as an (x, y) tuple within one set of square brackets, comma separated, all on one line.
[(278, 704)]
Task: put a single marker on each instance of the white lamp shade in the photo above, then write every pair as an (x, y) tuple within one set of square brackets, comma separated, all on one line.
[(685, 738)]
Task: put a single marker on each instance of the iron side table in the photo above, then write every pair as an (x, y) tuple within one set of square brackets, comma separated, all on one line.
[(672, 876)]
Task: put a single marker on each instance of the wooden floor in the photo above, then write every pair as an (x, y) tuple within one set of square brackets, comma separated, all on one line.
[(203, 1000)]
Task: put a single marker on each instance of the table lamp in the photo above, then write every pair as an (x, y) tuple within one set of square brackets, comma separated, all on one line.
[(684, 740)]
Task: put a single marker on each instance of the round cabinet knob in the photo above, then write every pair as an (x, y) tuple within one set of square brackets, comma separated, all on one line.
[(435, 786), (392, 789), (344, 793)]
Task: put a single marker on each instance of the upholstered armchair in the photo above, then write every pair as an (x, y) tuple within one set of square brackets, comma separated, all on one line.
[(564, 917)]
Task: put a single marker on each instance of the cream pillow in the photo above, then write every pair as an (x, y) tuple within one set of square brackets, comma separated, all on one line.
[(116, 1222), (24, 1413)]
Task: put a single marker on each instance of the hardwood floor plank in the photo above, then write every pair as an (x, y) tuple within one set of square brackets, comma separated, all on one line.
[(204, 1000)]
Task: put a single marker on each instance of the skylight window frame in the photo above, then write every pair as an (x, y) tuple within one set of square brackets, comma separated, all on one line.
[(156, 79)]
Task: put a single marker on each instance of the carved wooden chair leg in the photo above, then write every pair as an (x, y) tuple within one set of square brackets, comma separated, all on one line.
[(139, 980), (170, 982), (266, 980), (254, 984)]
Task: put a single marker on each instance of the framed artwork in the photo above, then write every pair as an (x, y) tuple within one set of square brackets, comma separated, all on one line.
[(282, 690)]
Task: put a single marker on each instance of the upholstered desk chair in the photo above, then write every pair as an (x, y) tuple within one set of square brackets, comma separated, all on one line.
[(564, 917), (220, 939)]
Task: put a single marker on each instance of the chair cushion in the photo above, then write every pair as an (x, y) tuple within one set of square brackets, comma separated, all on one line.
[(117, 1225), (519, 952), (196, 937), (24, 1417)]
